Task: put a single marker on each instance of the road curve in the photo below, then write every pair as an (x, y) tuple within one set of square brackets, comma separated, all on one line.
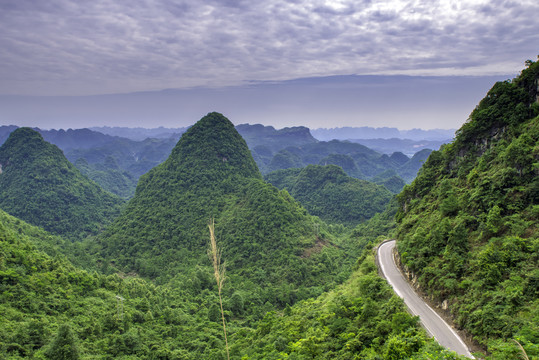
[(435, 325)]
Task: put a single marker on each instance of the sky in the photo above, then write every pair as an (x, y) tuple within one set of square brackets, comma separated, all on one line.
[(318, 63)]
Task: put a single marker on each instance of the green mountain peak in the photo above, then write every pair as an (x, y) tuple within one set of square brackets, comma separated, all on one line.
[(263, 233), (212, 145), (39, 185), (25, 144)]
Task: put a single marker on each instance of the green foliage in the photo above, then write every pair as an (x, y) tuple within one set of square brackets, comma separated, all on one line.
[(108, 316), (276, 253), (360, 319), (327, 192), (109, 177), (64, 346), (130, 318), (467, 225), (393, 183), (39, 185), (356, 160)]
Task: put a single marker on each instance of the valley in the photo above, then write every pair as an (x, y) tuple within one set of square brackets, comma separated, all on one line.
[(104, 240)]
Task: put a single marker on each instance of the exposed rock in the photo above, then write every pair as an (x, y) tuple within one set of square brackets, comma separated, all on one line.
[(445, 305)]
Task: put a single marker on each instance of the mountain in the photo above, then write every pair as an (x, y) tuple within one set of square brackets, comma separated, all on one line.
[(264, 141), (275, 252), (50, 307), (138, 133), (406, 146), (356, 160), (38, 184), (107, 316), (357, 157), (260, 135), (408, 170), (122, 159), (93, 153), (75, 139), (467, 225), (109, 176), (367, 132), (327, 192), (390, 180)]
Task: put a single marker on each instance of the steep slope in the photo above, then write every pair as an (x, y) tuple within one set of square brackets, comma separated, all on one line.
[(468, 230), (5, 131), (39, 185), (327, 192), (408, 170), (109, 176), (108, 316), (273, 248), (265, 141), (390, 180), (361, 319)]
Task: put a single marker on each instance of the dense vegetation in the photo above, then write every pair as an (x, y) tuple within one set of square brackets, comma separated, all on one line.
[(276, 253), (361, 319), (113, 162), (468, 227), (109, 176), (117, 164), (39, 185), (327, 192), (295, 287), (50, 309)]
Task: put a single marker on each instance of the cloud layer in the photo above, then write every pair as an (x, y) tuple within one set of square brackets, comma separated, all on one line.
[(65, 47)]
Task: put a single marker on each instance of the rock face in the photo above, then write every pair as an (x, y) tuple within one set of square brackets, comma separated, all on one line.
[(39, 185)]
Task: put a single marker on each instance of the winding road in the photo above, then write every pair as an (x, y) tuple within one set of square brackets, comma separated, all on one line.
[(433, 323)]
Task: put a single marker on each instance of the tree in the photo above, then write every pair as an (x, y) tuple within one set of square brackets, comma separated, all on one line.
[(64, 346)]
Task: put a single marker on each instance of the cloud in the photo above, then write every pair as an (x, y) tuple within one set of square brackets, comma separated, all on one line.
[(104, 46)]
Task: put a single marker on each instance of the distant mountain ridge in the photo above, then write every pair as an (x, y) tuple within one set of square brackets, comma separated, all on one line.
[(116, 162), (139, 133), (367, 132), (405, 146)]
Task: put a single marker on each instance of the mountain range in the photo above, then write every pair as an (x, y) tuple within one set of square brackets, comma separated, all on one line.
[(133, 280)]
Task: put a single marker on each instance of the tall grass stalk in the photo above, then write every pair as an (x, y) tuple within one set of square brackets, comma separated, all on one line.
[(219, 273), (524, 355)]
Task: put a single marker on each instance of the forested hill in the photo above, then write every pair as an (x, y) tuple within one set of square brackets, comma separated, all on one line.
[(275, 252), (49, 309), (327, 192), (468, 229), (39, 185)]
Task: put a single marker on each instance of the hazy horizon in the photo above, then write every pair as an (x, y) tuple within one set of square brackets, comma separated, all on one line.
[(317, 63), (404, 102)]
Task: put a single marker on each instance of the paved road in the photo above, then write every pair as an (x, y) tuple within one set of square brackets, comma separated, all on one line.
[(434, 324)]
